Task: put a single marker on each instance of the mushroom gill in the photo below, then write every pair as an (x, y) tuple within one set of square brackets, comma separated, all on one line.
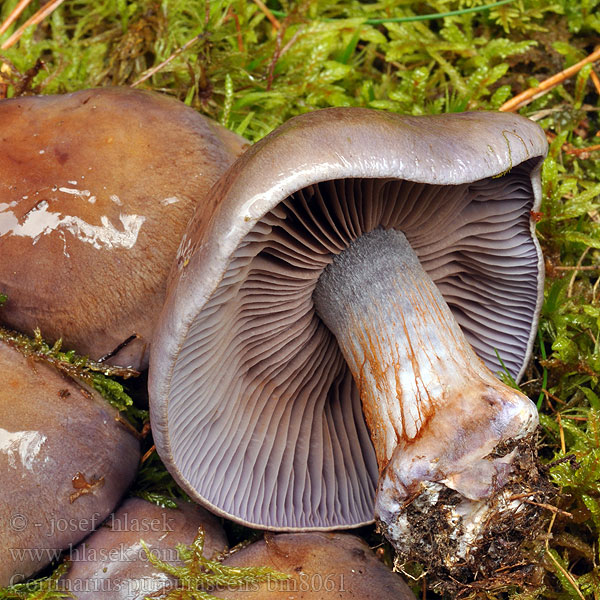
[(259, 337)]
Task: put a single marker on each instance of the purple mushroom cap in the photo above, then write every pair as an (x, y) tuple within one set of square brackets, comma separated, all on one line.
[(321, 566), (65, 462)]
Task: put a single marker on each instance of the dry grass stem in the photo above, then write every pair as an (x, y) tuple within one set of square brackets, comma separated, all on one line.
[(586, 268), (150, 72), (14, 15), (263, 7), (595, 80), (574, 276), (35, 19), (545, 86), (563, 446), (148, 454)]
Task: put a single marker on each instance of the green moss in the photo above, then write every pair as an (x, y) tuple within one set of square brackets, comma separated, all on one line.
[(45, 588), (200, 575), (252, 78), (155, 484), (99, 376)]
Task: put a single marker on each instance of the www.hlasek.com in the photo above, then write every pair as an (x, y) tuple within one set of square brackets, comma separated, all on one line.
[(84, 553)]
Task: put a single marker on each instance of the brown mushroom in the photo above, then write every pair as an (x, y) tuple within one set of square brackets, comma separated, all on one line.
[(65, 462), (321, 566), (112, 563), (97, 188)]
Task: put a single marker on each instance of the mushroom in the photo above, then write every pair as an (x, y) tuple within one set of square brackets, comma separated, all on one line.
[(356, 262), (65, 462), (112, 563), (320, 566), (97, 188)]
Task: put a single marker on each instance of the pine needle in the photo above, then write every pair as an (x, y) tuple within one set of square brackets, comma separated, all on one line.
[(14, 15), (545, 86), (35, 19)]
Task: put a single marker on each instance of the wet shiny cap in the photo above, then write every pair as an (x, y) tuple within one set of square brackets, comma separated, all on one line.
[(96, 188), (111, 564), (66, 458), (320, 566), (253, 407)]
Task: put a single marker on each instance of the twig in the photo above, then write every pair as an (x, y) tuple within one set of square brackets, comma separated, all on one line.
[(14, 15), (566, 574), (129, 427), (118, 349), (569, 148), (535, 92), (525, 497), (549, 395), (148, 454), (165, 62), (509, 567), (563, 446), (275, 58), (550, 507), (574, 276), (570, 458), (268, 14), (558, 565), (595, 80), (231, 14), (291, 41), (280, 52), (586, 268), (35, 19), (578, 151)]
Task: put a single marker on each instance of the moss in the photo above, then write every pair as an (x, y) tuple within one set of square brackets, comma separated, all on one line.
[(100, 376), (154, 483), (45, 588), (199, 575)]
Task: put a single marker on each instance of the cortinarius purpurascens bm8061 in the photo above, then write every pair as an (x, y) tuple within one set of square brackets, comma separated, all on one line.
[(356, 262)]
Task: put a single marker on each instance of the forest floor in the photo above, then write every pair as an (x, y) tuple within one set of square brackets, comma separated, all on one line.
[(251, 66)]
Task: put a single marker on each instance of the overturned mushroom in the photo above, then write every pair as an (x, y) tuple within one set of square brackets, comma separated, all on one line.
[(350, 261), (320, 566), (96, 190), (112, 564), (65, 462)]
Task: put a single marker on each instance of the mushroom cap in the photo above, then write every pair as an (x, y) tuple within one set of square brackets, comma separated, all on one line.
[(55, 436), (321, 566), (112, 564), (96, 188), (252, 406)]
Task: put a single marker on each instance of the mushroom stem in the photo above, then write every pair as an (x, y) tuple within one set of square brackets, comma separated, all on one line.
[(436, 413)]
